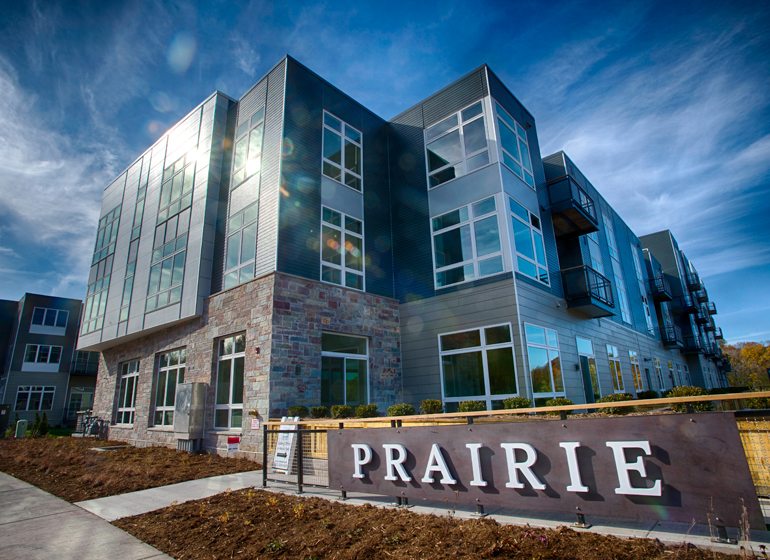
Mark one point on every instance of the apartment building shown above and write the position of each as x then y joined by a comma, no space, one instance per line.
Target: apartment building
40,370
291,247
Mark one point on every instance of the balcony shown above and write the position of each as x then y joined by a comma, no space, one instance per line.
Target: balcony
573,211
660,288
588,292
701,318
692,345
672,336
701,296
85,363
718,333
685,304
693,281
712,308
709,325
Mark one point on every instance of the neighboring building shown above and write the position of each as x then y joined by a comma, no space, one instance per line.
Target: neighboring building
292,247
41,370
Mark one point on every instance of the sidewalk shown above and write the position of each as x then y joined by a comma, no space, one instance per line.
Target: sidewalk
34,525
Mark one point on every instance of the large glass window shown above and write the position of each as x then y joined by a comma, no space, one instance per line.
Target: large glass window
229,404
636,254
514,146
241,246
456,145
587,365
478,365
42,354
168,260
615,370
171,368
344,365
342,249
101,271
176,189
528,241
659,374
466,243
129,375
544,363
617,269
247,154
636,372
35,398
45,317
342,145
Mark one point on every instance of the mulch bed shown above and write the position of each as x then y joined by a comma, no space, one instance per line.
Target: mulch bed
70,469
258,524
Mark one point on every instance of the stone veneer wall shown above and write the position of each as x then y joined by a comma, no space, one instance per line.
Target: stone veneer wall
248,308
302,310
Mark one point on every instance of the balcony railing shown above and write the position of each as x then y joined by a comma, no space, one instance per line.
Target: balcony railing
718,333
85,363
712,308
701,296
588,291
701,318
685,304
693,344
693,281
672,336
661,290
572,210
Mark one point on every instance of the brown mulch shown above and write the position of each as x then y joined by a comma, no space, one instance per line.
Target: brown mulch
258,524
70,469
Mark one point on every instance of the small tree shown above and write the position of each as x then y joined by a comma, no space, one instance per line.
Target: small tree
43,428
517,402
342,411
431,406
401,409
366,410
319,411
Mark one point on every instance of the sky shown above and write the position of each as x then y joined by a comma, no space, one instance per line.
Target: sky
665,106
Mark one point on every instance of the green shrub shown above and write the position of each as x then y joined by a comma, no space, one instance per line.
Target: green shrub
641,395
299,410
319,411
366,411
689,391
758,403
472,406
431,406
517,402
342,411
401,409
34,429
559,401
616,397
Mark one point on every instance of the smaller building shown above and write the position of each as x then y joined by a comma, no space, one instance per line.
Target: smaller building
41,371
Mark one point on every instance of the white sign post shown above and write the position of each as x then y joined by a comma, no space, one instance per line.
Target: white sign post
286,445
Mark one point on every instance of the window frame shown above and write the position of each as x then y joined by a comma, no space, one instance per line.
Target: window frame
591,356
616,372
512,215
255,121
241,267
636,371
462,164
37,354
483,347
230,358
57,313
342,134
348,356
343,267
164,408
520,133
30,389
475,260
122,408
548,348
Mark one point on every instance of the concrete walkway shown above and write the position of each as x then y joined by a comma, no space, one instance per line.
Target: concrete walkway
34,525
142,501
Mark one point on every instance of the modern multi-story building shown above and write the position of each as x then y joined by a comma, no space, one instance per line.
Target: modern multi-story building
293,248
40,370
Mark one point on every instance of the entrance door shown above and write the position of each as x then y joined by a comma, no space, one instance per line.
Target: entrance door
588,370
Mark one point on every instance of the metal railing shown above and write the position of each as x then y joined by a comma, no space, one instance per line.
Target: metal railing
583,282
660,287
672,334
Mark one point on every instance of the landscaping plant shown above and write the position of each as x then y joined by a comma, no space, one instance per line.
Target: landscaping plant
401,409
559,401
342,411
472,406
689,391
319,411
299,410
616,397
366,411
431,406
517,402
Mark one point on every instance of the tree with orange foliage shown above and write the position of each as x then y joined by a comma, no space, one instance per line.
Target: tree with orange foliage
750,362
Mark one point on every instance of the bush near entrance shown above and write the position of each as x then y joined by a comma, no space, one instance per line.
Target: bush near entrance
401,409
472,406
431,406
689,391
616,397
517,402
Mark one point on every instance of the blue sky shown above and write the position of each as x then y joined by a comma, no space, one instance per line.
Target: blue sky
664,105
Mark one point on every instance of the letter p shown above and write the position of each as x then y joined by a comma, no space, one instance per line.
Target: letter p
362,454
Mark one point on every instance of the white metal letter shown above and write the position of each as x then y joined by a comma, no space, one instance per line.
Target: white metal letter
575,483
362,454
476,464
525,467
395,463
623,467
436,463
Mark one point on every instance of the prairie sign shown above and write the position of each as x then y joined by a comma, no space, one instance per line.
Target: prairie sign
675,467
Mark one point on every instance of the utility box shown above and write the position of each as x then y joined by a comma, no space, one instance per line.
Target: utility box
5,415
21,429
189,413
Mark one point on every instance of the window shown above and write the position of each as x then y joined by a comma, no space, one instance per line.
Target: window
544,363
342,249
635,251
615,370
344,377
636,372
45,317
514,145
617,270
168,260
671,373
101,271
466,243
478,365
128,282
659,374
42,354
342,152
456,145
176,190
528,241
241,246
587,361
129,376
247,155
229,404
34,398
595,252
171,367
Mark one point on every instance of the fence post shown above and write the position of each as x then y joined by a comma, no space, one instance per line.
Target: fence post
300,462
264,455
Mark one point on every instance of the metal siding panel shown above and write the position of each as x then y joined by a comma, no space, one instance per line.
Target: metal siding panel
456,96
